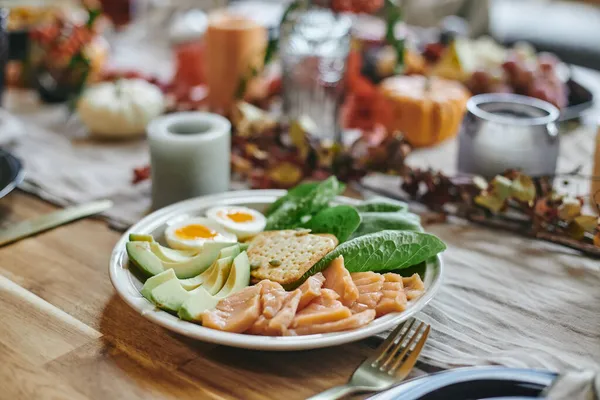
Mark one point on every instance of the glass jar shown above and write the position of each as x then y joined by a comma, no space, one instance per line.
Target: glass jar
314,46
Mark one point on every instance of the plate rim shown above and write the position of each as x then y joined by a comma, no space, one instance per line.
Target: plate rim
240,340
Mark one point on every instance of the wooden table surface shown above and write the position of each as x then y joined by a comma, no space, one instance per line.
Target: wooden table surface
65,334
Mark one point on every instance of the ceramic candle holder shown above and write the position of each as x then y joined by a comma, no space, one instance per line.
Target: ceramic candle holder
190,156
507,131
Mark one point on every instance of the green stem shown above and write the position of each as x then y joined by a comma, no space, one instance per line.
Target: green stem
393,16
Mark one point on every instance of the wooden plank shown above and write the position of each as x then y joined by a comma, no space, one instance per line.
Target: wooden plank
101,370
35,329
24,381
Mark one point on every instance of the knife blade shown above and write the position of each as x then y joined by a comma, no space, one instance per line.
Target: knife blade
30,227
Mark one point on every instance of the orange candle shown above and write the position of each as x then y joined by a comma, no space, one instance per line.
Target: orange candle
235,46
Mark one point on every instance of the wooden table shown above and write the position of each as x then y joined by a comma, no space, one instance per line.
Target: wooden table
65,334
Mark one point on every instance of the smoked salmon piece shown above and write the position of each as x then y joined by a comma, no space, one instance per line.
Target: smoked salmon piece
279,323
326,308
272,297
352,322
370,286
311,289
235,313
338,279
413,286
393,298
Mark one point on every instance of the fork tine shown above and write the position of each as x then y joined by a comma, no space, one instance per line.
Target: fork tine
411,360
384,347
402,346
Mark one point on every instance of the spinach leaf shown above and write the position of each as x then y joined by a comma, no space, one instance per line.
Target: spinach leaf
372,222
382,251
382,204
294,193
291,212
340,221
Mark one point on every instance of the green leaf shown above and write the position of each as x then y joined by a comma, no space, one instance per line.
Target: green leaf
340,221
382,204
292,194
290,213
372,222
382,251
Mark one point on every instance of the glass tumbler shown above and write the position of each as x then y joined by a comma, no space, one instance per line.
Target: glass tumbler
314,47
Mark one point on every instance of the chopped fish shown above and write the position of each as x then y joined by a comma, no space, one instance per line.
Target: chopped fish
311,289
393,297
352,322
279,323
338,278
326,308
413,286
370,286
235,313
272,297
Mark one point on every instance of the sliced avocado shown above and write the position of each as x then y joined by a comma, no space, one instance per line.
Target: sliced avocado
171,255
231,251
197,302
140,255
215,281
169,295
193,283
143,257
244,246
239,276
140,237
156,280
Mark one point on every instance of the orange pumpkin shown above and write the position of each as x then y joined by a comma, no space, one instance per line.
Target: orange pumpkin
426,110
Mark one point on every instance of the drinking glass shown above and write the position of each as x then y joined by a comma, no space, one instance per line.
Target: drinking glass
314,47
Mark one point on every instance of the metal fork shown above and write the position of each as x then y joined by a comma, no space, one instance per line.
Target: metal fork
391,363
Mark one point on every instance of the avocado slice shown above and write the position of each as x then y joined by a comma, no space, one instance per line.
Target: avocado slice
171,255
169,295
192,283
156,280
141,255
244,246
140,237
197,302
231,251
239,276
215,281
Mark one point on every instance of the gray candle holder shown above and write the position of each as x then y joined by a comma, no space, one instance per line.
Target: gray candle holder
508,131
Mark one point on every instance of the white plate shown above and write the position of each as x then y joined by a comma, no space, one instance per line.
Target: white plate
128,286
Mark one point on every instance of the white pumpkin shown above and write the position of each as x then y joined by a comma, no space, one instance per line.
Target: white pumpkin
121,108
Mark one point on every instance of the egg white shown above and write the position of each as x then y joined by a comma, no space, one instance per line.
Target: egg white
179,243
242,230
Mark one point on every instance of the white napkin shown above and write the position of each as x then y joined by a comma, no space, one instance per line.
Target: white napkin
10,129
575,385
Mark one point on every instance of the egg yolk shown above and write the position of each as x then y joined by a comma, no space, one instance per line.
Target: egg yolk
238,216
191,232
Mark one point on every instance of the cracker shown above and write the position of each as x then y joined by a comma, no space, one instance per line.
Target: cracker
284,256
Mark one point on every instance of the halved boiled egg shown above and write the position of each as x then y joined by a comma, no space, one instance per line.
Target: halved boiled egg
194,232
244,222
